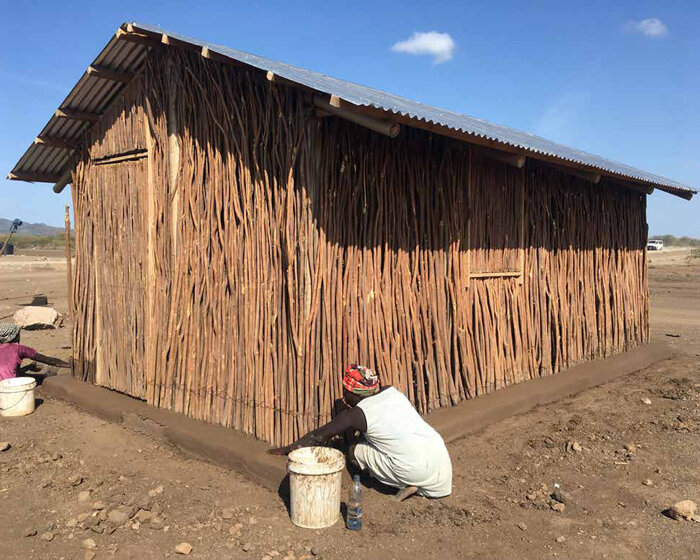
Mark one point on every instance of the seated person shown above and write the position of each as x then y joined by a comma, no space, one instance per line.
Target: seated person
398,447
12,353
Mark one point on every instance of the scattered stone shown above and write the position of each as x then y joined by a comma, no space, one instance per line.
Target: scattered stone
227,514
573,447
75,480
145,503
30,532
89,555
183,548
252,520
684,509
118,517
34,317
144,516
631,448
84,496
247,547
90,522
648,482
82,517
98,506
646,400
159,489
89,544
48,536
522,526
157,523
560,539
56,456
560,496
4,446
558,507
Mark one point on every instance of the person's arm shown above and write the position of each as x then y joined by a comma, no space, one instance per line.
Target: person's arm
353,419
48,360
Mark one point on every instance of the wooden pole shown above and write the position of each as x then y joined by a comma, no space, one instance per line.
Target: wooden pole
4,245
69,269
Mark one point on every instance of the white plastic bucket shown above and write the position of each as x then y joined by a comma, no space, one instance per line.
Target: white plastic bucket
315,477
17,396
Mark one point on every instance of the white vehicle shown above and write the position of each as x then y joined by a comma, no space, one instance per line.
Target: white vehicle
655,245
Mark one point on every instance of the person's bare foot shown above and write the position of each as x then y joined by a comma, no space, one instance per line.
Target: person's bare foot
405,493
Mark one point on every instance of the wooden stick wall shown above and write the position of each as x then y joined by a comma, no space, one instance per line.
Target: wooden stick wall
234,273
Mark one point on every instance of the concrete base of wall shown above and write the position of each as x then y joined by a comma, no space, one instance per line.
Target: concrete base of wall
475,414
211,442
249,457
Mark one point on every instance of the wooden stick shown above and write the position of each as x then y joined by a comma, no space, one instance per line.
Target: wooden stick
69,263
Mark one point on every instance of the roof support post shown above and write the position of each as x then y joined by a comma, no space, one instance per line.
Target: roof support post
140,38
33,177
62,182
589,176
108,74
386,127
77,115
56,142
516,160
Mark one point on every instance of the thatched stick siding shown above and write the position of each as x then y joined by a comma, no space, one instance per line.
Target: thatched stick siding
277,247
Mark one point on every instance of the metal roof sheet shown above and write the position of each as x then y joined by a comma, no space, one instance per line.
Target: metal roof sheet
94,94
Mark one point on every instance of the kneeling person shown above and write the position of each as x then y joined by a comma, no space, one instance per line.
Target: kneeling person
399,448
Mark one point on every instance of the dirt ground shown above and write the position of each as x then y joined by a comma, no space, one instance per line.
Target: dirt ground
66,470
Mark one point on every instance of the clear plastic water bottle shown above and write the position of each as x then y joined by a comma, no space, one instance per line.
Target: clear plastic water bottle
355,505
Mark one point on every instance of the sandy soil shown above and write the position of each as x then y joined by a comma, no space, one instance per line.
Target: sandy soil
66,470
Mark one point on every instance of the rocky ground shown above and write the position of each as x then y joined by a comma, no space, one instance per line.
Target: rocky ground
592,476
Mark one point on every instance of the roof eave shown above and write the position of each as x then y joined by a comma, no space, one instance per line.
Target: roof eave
141,37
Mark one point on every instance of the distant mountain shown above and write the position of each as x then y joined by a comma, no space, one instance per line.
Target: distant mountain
29,229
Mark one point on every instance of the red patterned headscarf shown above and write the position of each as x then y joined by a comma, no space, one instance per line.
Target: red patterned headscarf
360,380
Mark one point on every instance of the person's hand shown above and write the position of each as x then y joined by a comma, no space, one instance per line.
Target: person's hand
279,451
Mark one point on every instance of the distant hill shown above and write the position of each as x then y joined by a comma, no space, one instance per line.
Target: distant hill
29,229
672,240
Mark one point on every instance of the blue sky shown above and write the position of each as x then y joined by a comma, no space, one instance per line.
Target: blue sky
618,80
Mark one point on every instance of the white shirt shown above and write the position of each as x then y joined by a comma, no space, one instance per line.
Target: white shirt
414,451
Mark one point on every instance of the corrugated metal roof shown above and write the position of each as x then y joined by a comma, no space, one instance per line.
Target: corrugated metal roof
94,94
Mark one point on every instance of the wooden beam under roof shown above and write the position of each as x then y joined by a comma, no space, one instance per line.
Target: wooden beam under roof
138,38
590,176
33,177
109,74
211,55
62,182
571,166
56,142
383,126
515,160
77,115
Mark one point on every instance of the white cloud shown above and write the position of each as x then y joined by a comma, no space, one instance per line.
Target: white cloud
439,45
651,27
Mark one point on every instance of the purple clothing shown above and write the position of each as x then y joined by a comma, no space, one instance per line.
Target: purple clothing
11,356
